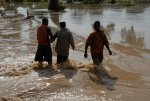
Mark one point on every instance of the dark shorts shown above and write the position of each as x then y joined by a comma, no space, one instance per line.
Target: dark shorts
97,59
44,53
61,58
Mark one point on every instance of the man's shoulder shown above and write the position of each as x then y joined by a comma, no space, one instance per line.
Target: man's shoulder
48,28
102,33
67,31
44,26
92,34
39,27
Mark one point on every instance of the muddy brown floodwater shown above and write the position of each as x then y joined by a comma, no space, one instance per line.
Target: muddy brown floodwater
127,30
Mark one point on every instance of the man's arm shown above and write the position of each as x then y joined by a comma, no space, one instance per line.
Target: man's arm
37,34
85,53
50,34
107,46
72,41
88,43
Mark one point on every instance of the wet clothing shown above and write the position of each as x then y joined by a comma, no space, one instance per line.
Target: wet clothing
64,40
43,35
61,58
97,59
44,52
96,41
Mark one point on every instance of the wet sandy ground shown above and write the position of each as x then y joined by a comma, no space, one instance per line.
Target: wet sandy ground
20,79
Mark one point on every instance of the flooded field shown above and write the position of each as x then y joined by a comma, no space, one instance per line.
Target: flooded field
127,30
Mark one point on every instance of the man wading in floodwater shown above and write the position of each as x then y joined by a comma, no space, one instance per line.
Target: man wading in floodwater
64,41
44,52
97,40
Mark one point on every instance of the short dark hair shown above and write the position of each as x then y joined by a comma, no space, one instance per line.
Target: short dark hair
62,24
96,25
45,21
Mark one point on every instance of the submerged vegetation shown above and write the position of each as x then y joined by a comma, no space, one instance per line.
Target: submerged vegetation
128,2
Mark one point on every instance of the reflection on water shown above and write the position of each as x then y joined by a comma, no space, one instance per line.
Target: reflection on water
55,19
135,9
129,36
80,20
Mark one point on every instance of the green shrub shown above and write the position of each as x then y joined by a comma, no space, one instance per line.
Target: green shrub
110,1
129,2
36,0
61,6
92,1
18,0
40,0
29,0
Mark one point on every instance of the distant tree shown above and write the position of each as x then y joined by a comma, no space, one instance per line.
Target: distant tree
113,1
92,1
53,5
69,1
2,2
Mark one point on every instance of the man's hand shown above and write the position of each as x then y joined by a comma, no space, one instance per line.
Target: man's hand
52,40
85,55
73,48
110,52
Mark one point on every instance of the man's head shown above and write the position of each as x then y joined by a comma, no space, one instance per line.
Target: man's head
96,25
62,24
45,21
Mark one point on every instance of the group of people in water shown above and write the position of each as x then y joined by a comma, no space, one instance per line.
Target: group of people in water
96,40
